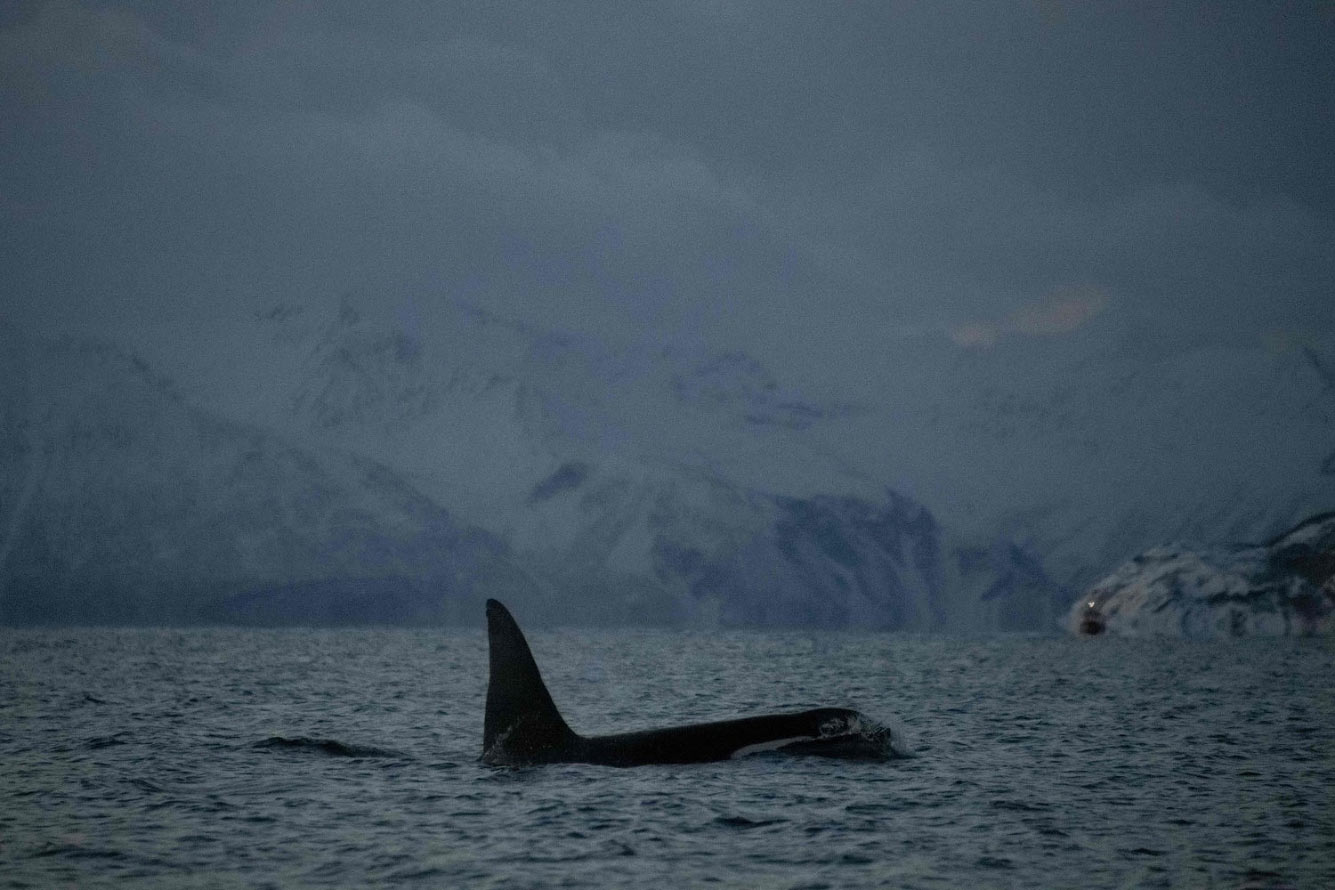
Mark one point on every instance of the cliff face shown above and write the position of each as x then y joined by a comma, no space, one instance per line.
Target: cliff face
1283,588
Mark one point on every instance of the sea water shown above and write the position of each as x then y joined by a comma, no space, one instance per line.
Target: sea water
349,758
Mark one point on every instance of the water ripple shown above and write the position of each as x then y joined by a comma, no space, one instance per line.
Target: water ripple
349,758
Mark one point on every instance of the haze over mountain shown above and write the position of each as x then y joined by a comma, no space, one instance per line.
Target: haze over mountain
778,314
344,465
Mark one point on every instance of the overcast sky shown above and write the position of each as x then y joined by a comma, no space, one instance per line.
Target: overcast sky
802,180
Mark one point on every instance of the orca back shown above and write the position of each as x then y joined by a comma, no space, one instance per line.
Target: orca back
522,724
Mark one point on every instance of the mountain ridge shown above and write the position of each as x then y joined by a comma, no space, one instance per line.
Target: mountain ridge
630,482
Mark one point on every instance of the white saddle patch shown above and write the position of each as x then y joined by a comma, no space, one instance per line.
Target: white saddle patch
771,745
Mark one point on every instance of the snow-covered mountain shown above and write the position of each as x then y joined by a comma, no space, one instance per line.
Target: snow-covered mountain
1048,463
131,504
1085,450
664,483
468,400
123,503
1283,588
681,482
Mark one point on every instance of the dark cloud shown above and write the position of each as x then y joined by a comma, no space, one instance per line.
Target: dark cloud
788,177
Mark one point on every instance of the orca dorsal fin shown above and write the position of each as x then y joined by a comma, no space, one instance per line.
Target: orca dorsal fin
522,723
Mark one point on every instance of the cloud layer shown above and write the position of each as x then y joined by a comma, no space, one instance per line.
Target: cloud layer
792,179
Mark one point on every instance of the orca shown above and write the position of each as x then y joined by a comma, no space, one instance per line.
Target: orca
523,727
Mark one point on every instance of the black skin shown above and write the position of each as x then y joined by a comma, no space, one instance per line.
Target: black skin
523,726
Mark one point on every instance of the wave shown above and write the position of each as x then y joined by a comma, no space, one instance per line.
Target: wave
328,747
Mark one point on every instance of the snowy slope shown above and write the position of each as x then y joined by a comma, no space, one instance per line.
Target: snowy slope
634,485
664,483
459,394
140,506
136,506
1284,588
1086,451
